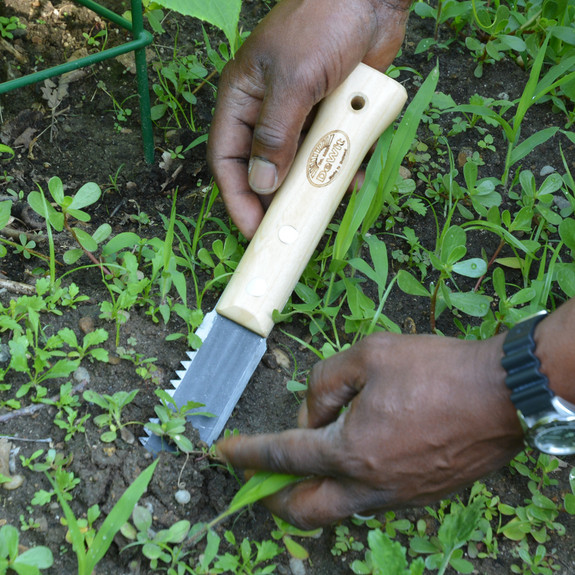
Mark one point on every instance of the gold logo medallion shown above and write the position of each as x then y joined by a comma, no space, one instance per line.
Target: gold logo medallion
327,158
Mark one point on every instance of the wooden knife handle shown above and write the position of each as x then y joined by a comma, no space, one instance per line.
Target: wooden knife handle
347,124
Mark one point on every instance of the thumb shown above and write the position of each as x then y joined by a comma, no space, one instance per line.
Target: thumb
276,138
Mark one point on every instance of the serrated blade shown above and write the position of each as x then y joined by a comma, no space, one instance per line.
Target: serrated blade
216,377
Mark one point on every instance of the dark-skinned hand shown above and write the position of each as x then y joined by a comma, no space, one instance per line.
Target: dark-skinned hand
427,415
300,52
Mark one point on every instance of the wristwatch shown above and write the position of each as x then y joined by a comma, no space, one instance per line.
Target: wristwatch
548,421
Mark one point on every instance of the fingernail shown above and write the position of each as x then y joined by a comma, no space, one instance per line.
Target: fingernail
263,176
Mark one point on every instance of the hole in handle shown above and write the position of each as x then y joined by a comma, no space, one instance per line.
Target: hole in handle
358,102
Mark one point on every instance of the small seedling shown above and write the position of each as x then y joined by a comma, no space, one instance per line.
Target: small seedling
29,562
113,406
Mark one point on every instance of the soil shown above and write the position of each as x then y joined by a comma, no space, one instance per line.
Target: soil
84,144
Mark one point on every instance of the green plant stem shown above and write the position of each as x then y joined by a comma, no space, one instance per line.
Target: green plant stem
433,304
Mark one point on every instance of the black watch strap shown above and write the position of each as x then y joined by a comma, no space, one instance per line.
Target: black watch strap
530,392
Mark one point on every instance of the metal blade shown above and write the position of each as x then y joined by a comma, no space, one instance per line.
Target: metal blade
217,375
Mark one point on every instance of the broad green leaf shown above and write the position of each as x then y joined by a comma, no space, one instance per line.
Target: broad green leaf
5,213
461,565
566,279
39,557
72,256
124,240
523,296
56,189
471,268
86,240
87,195
569,501
295,549
471,303
102,233
453,245
422,545
510,262
8,541
221,13
4,149
142,518
513,42
178,531
38,203
408,284
567,233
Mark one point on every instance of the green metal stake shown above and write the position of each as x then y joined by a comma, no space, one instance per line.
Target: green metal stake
141,39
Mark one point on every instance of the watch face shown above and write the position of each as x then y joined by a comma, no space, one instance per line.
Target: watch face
556,437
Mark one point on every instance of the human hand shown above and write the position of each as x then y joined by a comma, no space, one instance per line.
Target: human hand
298,54
427,415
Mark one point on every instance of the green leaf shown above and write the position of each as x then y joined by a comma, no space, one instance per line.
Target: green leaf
87,195
178,531
8,542
142,518
72,256
261,485
108,436
118,516
453,245
295,549
4,149
567,233
471,303
86,240
569,501
102,233
95,337
5,213
39,557
461,565
408,284
221,13
422,545
124,240
56,189
38,203
471,268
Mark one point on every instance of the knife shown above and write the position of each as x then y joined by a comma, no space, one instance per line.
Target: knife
233,335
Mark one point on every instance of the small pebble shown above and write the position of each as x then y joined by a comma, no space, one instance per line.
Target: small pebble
86,324
14,483
183,496
561,202
281,358
127,435
546,170
4,354
82,374
404,173
297,566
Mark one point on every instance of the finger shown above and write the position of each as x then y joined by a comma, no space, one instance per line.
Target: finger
297,451
332,384
320,501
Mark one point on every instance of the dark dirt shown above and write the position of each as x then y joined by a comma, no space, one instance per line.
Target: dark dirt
86,146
